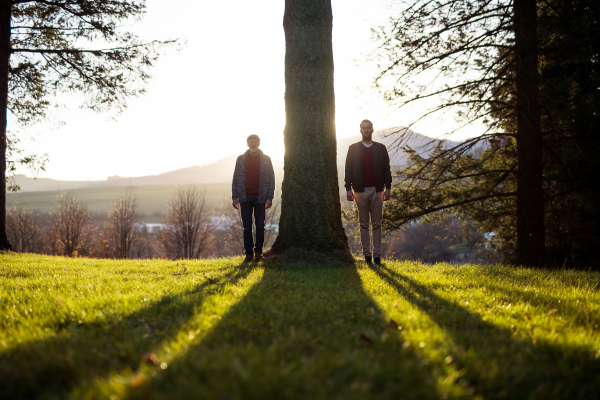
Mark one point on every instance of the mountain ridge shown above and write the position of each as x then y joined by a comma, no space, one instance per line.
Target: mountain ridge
222,170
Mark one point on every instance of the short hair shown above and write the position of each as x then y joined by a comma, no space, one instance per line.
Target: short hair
253,136
366,120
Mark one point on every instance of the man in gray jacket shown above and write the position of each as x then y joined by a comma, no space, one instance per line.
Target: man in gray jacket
368,172
252,189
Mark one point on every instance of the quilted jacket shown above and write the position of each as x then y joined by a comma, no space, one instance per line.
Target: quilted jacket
266,186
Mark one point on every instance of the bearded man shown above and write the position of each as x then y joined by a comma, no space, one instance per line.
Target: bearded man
368,172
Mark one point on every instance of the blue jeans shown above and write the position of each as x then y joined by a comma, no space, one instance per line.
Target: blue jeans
251,205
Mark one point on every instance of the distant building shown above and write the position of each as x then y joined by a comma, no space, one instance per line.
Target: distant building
152,228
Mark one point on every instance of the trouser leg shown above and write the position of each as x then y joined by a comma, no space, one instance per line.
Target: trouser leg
246,210
362,202
376,216
259,222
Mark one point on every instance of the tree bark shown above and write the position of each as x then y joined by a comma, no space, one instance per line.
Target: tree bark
5,50
530,195
310,208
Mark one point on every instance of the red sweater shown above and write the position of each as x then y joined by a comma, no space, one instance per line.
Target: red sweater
368,170
252,174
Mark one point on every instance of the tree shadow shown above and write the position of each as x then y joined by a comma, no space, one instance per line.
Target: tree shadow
496,362
50,367
565,278
301,332
570,311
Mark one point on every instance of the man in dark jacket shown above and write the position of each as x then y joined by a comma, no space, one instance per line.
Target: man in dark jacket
252,189
368,172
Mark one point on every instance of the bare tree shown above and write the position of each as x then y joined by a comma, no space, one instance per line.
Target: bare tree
146,244
185,233
71,230
234,235
24,230
120,230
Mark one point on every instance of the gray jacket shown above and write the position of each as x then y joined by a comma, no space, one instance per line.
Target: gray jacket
266,186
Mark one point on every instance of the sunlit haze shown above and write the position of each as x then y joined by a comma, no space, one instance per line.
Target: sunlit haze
226,83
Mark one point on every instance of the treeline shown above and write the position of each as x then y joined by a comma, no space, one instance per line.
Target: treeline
188,230
191,230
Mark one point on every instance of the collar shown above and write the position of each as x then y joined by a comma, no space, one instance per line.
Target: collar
260,153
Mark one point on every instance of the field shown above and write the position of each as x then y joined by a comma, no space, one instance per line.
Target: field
153,198
214,329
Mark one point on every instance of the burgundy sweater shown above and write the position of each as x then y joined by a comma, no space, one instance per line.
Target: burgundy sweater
368,171
252,174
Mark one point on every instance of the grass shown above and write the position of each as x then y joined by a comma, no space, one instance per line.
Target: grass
91,329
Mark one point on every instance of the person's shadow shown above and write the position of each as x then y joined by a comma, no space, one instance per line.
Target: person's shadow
494,361
299,333
80,353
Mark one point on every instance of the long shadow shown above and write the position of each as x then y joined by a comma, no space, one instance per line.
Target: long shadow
571,313
511,285
49,368
297,334
496,362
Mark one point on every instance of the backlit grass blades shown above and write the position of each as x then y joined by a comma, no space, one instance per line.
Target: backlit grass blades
86,328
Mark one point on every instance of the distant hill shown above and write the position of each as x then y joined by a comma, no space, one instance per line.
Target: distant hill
153,198
222,170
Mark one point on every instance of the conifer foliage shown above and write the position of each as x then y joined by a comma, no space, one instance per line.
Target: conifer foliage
527,70
68,46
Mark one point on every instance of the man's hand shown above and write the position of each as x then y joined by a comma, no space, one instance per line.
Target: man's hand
236,203
387,195
268,204
350,195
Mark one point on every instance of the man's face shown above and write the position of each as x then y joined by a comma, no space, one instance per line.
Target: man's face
253,144
366,130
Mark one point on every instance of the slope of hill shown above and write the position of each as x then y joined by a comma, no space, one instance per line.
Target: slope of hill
153,198
222,170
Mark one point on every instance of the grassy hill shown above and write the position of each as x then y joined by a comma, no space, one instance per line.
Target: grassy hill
150,329
153,198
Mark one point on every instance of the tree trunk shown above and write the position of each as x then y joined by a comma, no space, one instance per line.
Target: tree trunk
5,49
310,208
530,195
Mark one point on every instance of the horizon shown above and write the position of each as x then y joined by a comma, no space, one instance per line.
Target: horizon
201,104
119,177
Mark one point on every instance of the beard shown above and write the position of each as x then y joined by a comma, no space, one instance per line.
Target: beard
367,137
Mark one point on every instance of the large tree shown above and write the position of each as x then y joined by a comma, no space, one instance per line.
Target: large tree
49,47
530,178
310,208
530,192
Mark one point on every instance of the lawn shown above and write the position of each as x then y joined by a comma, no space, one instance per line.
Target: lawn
215,329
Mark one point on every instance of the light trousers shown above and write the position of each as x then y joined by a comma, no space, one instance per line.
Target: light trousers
370,209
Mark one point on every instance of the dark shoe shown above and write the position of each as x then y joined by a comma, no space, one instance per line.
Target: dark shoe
377,260
368,259
248,258
258,257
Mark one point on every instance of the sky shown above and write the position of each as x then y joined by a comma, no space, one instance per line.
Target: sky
225,83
